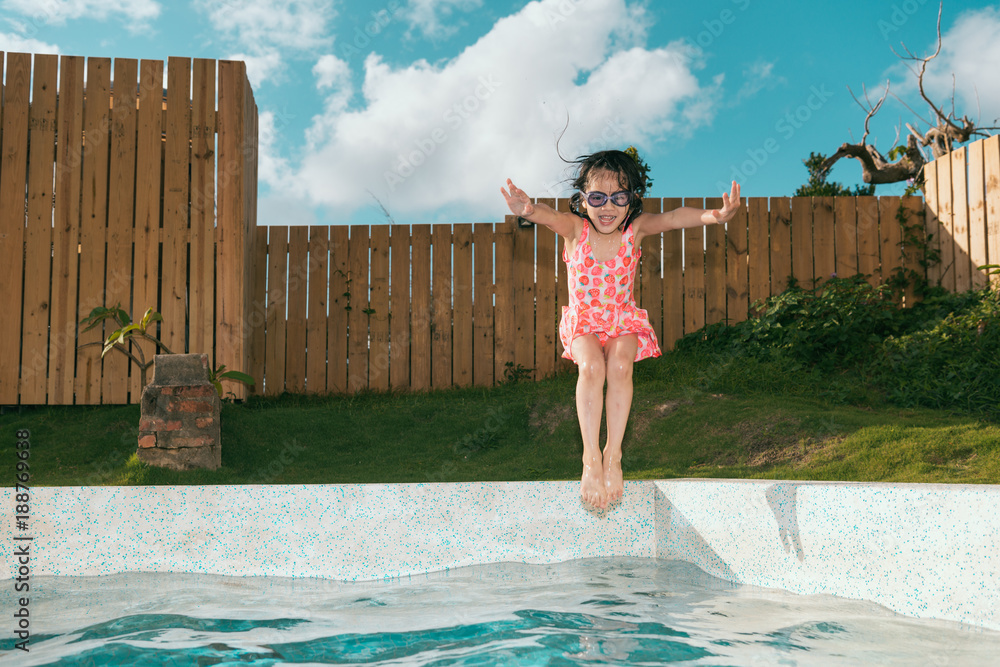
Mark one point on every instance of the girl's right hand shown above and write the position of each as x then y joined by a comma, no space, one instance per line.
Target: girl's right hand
518,201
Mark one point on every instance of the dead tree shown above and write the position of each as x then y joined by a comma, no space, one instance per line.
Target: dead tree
941,138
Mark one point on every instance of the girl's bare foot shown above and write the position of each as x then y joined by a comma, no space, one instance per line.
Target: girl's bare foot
592,491
613,483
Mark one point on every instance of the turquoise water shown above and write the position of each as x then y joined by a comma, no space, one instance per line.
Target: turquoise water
621,611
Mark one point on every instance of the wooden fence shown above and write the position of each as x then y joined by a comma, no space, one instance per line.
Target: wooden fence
396,307
342,309
149,200
113,190
963,204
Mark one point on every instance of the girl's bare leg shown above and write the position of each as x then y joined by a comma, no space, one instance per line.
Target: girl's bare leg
620,355
589,356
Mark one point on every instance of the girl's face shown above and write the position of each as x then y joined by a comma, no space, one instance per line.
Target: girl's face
608,216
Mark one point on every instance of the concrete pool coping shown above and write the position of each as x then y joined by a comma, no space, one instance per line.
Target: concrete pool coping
924,550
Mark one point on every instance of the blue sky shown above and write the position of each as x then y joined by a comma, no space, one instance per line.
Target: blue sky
425,107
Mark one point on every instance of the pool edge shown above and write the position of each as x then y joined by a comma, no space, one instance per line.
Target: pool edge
921,550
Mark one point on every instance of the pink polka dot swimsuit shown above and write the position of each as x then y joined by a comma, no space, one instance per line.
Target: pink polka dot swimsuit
601,297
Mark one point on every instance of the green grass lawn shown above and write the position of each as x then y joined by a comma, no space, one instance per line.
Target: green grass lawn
691,417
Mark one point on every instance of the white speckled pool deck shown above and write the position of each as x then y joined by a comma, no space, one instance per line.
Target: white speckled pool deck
929,551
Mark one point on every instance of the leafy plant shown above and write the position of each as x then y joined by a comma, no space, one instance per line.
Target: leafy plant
219,374
123,340
513,374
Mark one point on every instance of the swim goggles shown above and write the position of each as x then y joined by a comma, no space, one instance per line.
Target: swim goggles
620,198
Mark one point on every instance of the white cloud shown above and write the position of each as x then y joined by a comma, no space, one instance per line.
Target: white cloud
444,137
757,76
426,15
12,43
966,67
134,13
332,74
288,24
265,29
262,66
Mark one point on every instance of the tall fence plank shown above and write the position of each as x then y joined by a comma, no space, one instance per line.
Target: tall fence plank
978,245
319,282
946,222
824,237
524,294
912,246
337,324
258,319
758,259
504,335
846,241
66,234
781,243
546,321
146,232
236,188
651,273
399,308
868,239
991,167
482,305
121,213
462,291
378,316
562,288
802,241
298,300
13,176
960,211
737,276
715,269
277,304
694,273
93,226
420,311
441,352
202,196
890,235
673,281
38,233
357,317
932,225
176,192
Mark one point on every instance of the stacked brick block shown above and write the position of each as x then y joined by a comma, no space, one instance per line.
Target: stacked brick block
179,422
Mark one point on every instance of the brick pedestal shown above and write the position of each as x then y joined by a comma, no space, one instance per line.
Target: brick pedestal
179,422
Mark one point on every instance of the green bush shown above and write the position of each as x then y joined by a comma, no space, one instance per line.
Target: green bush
852,339
953,361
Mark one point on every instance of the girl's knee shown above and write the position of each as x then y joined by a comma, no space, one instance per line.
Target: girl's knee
619,368
592,368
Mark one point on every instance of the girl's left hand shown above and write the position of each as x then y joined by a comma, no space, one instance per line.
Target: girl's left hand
730,204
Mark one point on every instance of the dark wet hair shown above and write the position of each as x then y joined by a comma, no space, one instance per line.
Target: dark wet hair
617,163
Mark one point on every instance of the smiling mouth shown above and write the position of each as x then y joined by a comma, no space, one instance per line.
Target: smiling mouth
607,218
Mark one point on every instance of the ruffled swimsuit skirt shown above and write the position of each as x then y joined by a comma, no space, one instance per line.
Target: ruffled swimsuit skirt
601,297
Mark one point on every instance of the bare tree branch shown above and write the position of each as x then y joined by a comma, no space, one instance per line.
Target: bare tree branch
944,133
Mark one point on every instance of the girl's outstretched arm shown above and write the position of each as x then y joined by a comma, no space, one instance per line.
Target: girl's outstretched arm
563,224
680,218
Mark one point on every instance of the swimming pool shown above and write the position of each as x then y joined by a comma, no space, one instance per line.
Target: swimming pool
926,551
606,611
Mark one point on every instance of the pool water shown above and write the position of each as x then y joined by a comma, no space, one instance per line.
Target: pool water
606,611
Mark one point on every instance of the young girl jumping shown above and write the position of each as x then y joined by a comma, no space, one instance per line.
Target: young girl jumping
602,330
